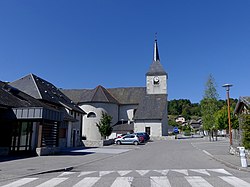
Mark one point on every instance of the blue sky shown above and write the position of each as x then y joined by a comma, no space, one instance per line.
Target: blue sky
85,43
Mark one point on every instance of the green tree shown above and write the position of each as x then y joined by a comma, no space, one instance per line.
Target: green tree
221,116
104,126
245,124
209,105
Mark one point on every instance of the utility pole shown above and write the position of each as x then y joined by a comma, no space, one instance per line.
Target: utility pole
227,86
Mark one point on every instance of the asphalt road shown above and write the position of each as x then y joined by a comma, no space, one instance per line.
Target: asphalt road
158,163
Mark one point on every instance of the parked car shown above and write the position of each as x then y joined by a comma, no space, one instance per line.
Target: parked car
144,135
128,139
119,136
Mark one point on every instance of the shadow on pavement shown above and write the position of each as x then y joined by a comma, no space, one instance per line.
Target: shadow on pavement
16,157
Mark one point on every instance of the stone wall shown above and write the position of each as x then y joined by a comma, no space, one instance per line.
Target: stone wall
97,143
42,151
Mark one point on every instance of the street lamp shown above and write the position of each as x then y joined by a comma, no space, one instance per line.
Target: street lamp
227,86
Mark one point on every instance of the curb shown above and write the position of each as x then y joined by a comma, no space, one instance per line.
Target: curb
226,163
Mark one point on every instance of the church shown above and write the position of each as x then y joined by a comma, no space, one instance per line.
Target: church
133,109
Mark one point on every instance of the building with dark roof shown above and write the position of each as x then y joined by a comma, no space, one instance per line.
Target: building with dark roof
133,109
70,127
21,117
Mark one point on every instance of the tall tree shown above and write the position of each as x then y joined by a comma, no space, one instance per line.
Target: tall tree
209,105
104,126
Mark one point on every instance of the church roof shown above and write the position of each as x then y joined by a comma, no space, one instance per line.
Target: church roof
100,94
129,95
152,106
44,90
156,67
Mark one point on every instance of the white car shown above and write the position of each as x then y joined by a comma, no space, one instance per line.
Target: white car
128,139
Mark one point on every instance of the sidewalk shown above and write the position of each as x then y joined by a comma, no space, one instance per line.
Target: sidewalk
219,150
12,167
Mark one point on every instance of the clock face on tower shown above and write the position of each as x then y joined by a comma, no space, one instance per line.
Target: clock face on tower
156,80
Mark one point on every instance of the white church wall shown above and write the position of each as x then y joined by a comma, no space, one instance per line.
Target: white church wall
155,127
89,128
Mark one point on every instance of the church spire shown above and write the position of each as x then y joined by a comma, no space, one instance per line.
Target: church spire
156,52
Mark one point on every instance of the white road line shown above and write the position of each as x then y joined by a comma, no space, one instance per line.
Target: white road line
85,173
52,182
102,173
182,171
122,182
197,181
234,181
87,182
159,181
20,182
66,173
207,153
163,172
142,172
220,171
124,172
202,171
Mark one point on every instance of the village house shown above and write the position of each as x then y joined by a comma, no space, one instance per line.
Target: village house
67,131
25,123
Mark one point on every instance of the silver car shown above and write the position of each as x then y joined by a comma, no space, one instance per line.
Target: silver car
128,139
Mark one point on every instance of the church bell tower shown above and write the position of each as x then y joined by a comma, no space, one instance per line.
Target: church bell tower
156,77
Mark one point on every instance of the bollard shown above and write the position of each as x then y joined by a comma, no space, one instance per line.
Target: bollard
243,157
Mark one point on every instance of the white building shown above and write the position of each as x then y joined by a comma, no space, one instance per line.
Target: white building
133,109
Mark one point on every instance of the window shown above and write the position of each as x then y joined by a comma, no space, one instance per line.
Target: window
91,115
147,129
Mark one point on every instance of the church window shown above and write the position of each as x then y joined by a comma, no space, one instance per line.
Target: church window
91,115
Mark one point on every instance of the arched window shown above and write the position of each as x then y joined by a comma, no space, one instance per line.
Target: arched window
91,115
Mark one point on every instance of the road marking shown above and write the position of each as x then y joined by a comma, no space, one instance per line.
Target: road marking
20,182
182,171
123,182
197,181
202,171
142,172
85,173
163,172
102,173
125,172
87,182
207,153
52,182
234,181
66,173
101,150
159,181
220,171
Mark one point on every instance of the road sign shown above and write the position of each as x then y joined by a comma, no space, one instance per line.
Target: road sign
175,130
